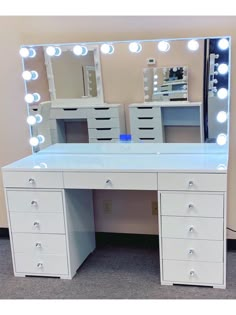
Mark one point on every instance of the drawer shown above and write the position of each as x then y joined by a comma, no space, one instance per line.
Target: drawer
192,204
194,250
151,132
193,272
39,244
41,264
136,181
104,133
108,122
136,122
192,228
101,140
144,111
34,201
37,222
192,181
33,179
102,112
71,113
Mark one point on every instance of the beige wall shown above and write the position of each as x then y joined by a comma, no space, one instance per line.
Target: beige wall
14,134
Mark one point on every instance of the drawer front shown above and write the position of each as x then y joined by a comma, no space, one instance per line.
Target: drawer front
193,272
152,132
37,222
34,201
33,179
144,111
103,123
192,181
39,244
104,133
145,122
102,112
101,140
192,204
131,181
192,250
192,228
41,264
72,113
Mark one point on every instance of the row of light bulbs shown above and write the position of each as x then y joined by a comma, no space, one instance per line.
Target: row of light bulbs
134,47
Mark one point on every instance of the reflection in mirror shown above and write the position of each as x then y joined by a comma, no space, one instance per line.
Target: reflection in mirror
182,84
165,84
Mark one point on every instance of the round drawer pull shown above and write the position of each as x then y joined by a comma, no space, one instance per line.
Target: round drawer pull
190,183
34,203
191,229
40,265
191,251
190,206
36,224
192,273
38,245
108,181
31,181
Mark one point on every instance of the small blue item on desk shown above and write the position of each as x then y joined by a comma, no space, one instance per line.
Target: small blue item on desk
125,138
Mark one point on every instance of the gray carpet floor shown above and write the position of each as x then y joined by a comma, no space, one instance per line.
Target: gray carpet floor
110,272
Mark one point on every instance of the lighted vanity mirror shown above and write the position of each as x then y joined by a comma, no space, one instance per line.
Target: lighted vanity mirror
166,84
107,93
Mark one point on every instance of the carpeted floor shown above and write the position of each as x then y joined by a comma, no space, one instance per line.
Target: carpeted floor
111,272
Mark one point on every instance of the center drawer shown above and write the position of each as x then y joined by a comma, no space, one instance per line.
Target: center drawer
138,181
34,201
37,222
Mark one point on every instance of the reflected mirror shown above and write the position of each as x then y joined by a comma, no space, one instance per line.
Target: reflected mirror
173,91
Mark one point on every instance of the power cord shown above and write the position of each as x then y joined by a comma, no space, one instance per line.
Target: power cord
230,229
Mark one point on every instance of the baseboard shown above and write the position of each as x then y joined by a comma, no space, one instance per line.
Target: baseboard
4,233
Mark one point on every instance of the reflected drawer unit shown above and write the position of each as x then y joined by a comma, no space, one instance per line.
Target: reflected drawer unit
192,220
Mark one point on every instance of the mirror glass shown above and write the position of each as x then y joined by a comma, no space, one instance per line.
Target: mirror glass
188,80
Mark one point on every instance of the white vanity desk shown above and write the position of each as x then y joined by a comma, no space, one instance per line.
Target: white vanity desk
50,206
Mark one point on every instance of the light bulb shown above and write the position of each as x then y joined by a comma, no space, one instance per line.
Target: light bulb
222,93
27,52
30,75
135,47
107,49
39,118
155,76
221,117
41,138
221,139
30,98
155,83
53,51
163,46
155,89
80,50
223,44
31,120
34,141
222,68
193,45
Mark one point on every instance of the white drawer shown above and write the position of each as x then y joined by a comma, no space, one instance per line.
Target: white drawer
192,204
193,272
136,122
151,132
130,181
144,111
192,181
34,201
103,122
102,111
192,228
33,179
101,140
195,250
37,222
71,113
39,244
104,133
41,264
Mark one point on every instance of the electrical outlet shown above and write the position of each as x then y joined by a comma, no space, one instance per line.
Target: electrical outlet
154,207
107,206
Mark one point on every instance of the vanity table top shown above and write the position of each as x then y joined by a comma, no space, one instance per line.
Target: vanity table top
82,158
166,104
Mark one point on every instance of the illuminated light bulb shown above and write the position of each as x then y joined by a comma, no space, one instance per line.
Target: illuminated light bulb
31,120
34,141
107,49
155,89
155,82
222,68
221,139
155,76
193,45
27,52
223,44
80,50
31,98
135,47
53,51
221,117
30,75
163,46
222,93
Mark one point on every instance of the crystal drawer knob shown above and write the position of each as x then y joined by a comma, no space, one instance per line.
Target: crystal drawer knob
108,181
36,224
38,245
190,206
191,251
31,181
190,183
191,229
40,265
34,203
192,273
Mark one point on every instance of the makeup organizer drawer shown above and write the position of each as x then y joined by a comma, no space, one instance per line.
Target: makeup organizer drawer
192,220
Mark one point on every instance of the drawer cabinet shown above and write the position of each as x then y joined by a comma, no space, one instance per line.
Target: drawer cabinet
192,228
